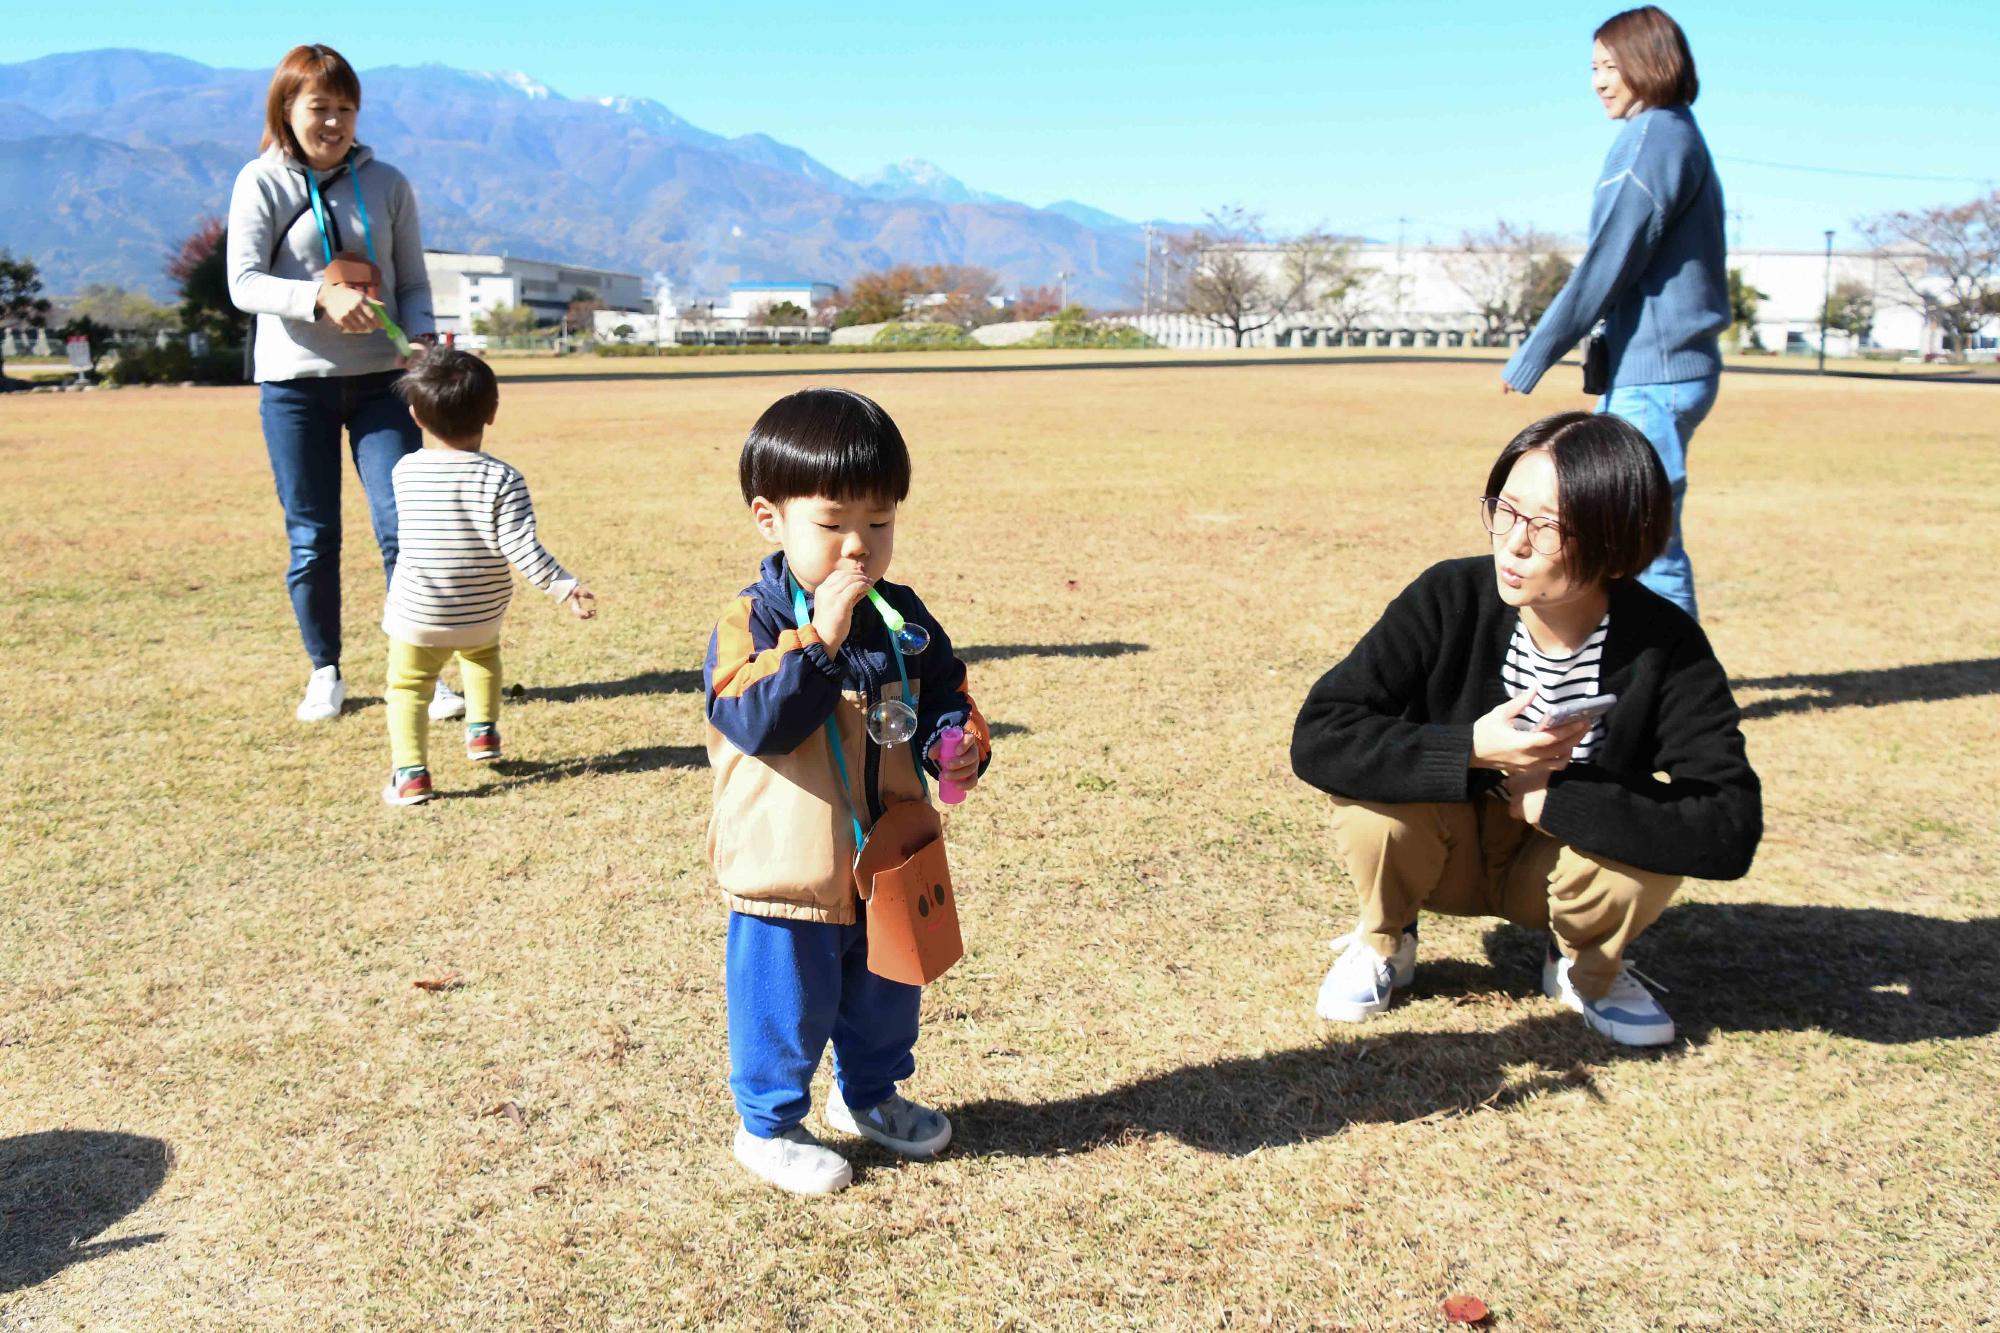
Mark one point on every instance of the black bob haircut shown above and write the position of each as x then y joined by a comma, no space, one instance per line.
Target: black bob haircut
829,442
452,394
1615,506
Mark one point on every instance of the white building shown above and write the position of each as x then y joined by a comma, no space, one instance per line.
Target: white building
463,285
1417,296
746,299
739,317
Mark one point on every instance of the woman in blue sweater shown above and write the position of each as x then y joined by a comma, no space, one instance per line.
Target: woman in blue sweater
1654,268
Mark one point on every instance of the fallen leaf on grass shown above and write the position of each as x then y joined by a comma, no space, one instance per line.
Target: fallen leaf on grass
1466,1310
510,1109
446,982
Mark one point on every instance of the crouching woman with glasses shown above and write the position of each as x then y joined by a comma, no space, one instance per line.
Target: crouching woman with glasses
1474,767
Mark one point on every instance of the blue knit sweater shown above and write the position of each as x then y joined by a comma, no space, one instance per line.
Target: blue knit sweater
1654,269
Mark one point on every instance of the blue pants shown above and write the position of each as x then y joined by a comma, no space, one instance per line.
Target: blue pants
302,424
792,985
1668,415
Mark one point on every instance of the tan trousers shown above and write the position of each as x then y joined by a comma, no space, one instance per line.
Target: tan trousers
1473,858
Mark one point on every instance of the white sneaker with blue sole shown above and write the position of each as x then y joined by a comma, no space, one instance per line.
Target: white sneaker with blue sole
446,703
794,1161
1628,1014
897,1123
1361,982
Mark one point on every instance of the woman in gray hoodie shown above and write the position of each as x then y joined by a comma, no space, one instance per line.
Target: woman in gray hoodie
318,230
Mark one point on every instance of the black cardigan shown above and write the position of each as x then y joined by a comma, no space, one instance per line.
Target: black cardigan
1392,723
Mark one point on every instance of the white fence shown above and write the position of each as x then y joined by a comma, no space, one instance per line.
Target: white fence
1308,330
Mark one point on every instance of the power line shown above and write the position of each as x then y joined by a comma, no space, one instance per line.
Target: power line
1844,171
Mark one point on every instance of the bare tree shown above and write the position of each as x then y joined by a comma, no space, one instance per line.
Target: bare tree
1505,273
1228,274
1321,268
1948,262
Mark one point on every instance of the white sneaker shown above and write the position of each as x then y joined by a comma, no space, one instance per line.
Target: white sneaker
1361,982
897,1123
1629,1014
795,1161
447,703
325,693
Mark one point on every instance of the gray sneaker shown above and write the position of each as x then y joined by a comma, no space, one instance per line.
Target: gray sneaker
898,1124
795,1161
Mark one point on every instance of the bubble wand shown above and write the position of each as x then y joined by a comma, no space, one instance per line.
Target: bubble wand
396,335
912,639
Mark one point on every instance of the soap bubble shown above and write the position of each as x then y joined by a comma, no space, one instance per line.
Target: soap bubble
912,638
891,722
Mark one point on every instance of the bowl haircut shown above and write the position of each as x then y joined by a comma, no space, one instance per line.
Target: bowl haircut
825,442
1614,504
1652,54
452,394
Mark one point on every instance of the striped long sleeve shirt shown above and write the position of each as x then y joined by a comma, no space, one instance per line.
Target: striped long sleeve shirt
463,518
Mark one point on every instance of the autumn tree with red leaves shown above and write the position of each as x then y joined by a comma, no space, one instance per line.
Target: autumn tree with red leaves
199,268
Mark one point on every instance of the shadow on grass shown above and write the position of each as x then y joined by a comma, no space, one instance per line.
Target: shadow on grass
689,682
1871,689
646,682
994,652
1239,1105
1860,972
1871,975
639,759
60,1187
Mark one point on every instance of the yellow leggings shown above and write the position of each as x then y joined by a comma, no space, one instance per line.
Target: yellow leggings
413,673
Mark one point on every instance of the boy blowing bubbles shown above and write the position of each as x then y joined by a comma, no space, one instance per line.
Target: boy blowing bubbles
823,472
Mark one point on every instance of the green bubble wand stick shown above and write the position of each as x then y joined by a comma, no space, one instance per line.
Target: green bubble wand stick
396,335
912,639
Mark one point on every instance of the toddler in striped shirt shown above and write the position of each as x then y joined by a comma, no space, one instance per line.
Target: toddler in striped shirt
465,523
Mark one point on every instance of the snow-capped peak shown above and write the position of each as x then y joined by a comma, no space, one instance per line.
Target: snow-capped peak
529,88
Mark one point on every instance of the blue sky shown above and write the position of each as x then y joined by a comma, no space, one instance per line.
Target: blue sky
1350,115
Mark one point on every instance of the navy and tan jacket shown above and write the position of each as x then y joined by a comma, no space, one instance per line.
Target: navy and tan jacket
779,838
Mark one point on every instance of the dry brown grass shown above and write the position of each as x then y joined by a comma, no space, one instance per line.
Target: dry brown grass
213,925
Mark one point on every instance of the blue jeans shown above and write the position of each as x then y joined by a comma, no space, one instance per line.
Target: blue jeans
1668,415
791,986
302,424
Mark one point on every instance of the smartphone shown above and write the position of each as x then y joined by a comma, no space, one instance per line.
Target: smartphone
1572,710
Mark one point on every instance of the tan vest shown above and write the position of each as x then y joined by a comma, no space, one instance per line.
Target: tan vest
779,838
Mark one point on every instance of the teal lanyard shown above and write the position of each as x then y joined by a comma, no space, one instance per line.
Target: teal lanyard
803,616
319,210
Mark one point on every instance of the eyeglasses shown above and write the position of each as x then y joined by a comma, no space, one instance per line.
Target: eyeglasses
1544,534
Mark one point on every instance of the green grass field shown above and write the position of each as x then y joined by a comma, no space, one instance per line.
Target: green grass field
225,1103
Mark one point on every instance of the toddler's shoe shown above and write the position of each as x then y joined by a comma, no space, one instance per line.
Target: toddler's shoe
482,742
446,703
897,1123
1628,1014
795,1161
1361,982
408,786
325,693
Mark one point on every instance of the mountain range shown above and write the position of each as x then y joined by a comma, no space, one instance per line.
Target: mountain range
109,158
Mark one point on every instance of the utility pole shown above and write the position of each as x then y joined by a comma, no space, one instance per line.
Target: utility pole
1825,299
1400,281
